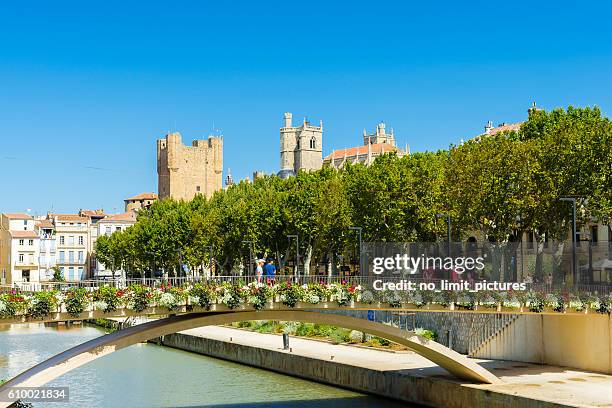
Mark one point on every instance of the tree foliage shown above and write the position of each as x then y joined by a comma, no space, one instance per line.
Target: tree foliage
498,186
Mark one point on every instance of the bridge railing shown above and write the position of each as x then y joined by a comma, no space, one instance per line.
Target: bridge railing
366,281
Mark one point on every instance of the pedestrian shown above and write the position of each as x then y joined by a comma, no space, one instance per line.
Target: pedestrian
270,271
259,270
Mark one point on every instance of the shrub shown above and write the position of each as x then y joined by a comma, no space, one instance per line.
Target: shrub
76,300
305,330
290,294
41,304
205,294
339,335
140,297
108,298
428,334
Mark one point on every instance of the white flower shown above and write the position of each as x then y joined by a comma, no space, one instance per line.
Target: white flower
312,298
416,297
99,305
2,306
367,297
194,300
356,336
304,286
167,300
253,300
60,297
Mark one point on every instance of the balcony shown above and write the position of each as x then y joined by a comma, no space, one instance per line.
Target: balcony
78,261
70,228
26,263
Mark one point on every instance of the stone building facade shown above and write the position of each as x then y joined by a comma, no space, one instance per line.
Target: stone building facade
184,171
301,147
139,201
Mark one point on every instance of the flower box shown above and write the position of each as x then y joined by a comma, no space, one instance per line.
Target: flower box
435,306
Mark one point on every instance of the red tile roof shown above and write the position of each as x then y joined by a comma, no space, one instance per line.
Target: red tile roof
69,217
44,224
24,234
376,148
143,196
129,216
505,127
18,216
92,213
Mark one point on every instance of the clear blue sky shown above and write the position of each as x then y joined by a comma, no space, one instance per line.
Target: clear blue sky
87,87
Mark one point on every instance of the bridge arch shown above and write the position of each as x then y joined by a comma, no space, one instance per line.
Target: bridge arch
453,362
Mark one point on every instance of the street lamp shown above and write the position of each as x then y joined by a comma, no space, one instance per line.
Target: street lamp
574,266
448,230
297,254
359,229
250,256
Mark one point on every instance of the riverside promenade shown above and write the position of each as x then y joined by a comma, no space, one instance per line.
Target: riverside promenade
401,375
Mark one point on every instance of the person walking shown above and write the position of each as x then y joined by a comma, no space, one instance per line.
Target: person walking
259,271
270,271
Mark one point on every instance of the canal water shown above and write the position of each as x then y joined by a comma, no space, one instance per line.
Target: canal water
146,375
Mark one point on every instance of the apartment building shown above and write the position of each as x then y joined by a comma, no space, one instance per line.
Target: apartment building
48,247
72,241
19,249
107,226
94,217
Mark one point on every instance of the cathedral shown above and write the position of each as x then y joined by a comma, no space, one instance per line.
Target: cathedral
374,145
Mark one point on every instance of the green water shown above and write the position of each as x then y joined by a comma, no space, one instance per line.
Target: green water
147,375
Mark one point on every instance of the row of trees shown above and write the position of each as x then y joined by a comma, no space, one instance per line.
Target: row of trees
495,186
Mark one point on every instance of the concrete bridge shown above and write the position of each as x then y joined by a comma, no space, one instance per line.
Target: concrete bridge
455,363
188,316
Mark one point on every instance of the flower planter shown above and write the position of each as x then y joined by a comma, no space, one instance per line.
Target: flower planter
435,306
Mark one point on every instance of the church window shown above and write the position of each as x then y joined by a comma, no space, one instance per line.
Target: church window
313,143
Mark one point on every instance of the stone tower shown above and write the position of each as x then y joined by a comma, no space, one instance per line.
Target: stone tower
184,171
301,147
379,136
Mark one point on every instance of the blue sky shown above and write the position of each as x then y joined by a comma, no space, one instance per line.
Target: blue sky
87,87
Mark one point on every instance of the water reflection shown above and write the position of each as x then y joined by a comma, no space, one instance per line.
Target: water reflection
147,375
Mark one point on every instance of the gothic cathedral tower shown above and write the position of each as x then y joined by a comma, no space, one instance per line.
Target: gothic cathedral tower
301,147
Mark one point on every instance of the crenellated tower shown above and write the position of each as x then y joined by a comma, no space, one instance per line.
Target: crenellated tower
185,171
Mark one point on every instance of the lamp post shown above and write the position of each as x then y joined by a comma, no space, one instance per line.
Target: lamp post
359,229
448,230
574,266
250,256
297,254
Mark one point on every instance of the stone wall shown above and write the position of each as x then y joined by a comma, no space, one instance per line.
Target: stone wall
582,342
437,391
454,330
